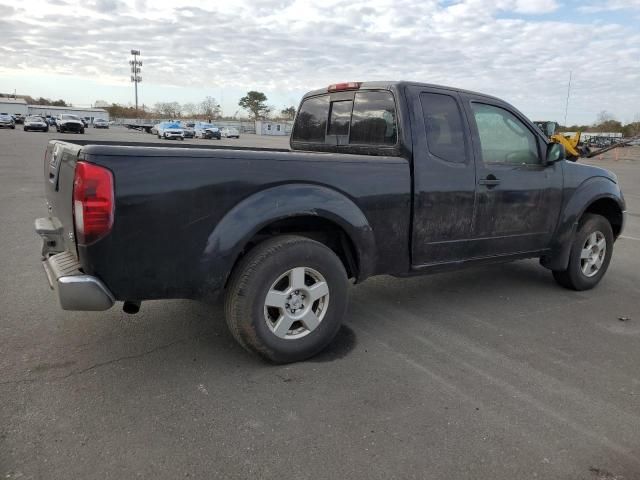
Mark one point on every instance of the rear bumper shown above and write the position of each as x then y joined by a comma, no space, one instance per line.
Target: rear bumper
75,289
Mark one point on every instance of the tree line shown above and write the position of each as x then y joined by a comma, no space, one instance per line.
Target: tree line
605,122
254,103
38,101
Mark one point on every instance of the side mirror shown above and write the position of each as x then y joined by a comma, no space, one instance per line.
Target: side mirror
555,153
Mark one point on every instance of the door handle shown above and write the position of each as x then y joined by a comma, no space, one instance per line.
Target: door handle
490,181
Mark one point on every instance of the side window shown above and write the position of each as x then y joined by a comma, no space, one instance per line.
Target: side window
311,122
339,118
373,121
503,137
444,128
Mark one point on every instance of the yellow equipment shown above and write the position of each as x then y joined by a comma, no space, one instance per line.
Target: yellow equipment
571,143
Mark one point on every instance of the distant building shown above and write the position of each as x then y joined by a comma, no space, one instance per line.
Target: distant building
18,106
13,106
267,127
588,135
89,114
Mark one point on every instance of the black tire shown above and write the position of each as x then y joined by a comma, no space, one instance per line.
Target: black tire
573,277
25,129
82,131
46,130
255,275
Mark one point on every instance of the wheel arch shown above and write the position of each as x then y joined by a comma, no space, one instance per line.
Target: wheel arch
609,209
314,211
597,195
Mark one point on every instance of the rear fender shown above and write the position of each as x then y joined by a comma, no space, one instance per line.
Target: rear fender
232,234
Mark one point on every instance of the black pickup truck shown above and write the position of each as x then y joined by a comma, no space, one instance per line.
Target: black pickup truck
394,178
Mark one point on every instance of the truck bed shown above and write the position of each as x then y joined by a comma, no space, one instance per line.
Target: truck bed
180,209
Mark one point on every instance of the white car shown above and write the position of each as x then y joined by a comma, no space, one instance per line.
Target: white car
206,130
230,132
170,130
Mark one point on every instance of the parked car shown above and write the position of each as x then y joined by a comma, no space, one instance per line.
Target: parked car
50,120
170,130
35,122
69,123
7,121
207,130
100,123
230,132
189,132
391,178
18,118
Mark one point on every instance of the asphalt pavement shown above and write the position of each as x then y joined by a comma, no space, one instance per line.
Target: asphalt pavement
488,373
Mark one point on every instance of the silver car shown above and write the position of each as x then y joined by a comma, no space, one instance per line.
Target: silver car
7,121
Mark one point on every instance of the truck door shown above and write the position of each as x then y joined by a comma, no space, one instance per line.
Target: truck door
444,177
518,197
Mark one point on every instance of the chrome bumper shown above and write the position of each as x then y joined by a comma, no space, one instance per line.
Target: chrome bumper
75,289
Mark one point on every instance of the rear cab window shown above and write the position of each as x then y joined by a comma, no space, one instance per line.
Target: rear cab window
362,118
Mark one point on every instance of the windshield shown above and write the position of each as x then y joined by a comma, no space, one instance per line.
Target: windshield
35,119
69,117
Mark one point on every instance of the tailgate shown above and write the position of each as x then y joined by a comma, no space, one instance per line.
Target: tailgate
59,170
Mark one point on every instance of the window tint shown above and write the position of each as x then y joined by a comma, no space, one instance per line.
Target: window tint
443,124
374,119
504,138
311,122
340,116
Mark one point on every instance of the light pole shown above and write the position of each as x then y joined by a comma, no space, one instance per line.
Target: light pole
135,73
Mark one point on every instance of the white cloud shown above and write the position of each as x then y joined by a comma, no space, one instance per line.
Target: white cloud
610,5
296,45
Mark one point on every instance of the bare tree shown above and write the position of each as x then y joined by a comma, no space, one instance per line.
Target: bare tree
603,117
189,109
210,108
168,109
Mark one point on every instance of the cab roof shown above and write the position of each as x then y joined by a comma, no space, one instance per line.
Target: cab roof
400,84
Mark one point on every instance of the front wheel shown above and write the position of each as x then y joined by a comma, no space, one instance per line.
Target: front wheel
286,298
590,254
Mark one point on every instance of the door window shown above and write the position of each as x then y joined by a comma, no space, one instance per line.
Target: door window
443,125
503,137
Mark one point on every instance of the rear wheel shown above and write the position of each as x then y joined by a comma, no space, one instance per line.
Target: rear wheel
286,298
590,254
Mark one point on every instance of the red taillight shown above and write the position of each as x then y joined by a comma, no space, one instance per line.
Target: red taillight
337,87
93,202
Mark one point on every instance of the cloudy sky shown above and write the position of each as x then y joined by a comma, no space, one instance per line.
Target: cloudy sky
520,50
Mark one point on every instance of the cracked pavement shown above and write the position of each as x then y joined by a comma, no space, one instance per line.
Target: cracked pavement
492,372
